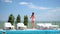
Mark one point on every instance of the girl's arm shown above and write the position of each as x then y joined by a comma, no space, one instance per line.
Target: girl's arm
30,17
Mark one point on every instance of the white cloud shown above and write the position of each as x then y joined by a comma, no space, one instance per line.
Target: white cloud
55,10
8,1
31,5
43,8
51,14
23,3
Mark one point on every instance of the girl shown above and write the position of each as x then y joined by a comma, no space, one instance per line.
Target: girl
33,19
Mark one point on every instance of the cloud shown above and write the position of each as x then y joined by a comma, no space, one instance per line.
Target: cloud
49,13
8,1
23,3
43,8
31,5
55,10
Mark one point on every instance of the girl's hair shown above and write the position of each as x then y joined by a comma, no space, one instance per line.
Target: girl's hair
32,13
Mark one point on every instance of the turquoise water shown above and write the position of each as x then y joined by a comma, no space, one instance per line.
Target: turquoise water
30,31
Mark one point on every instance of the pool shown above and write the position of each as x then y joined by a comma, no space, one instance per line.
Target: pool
30,31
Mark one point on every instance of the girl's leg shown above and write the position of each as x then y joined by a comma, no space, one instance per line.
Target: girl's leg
32,24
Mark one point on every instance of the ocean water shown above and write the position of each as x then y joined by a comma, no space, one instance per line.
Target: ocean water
30,32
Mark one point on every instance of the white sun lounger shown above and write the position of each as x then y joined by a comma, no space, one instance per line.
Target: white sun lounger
21,26
8,25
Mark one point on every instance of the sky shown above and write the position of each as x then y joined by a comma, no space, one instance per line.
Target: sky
44,10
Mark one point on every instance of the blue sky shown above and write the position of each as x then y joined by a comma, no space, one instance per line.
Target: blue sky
45,10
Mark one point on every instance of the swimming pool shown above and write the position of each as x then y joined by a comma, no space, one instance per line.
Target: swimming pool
30,31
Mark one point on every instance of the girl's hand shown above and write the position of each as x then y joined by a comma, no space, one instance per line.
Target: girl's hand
30,17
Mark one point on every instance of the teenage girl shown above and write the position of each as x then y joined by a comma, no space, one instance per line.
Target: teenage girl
33,19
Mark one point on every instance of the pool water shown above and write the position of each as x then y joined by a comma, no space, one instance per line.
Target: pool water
30,31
